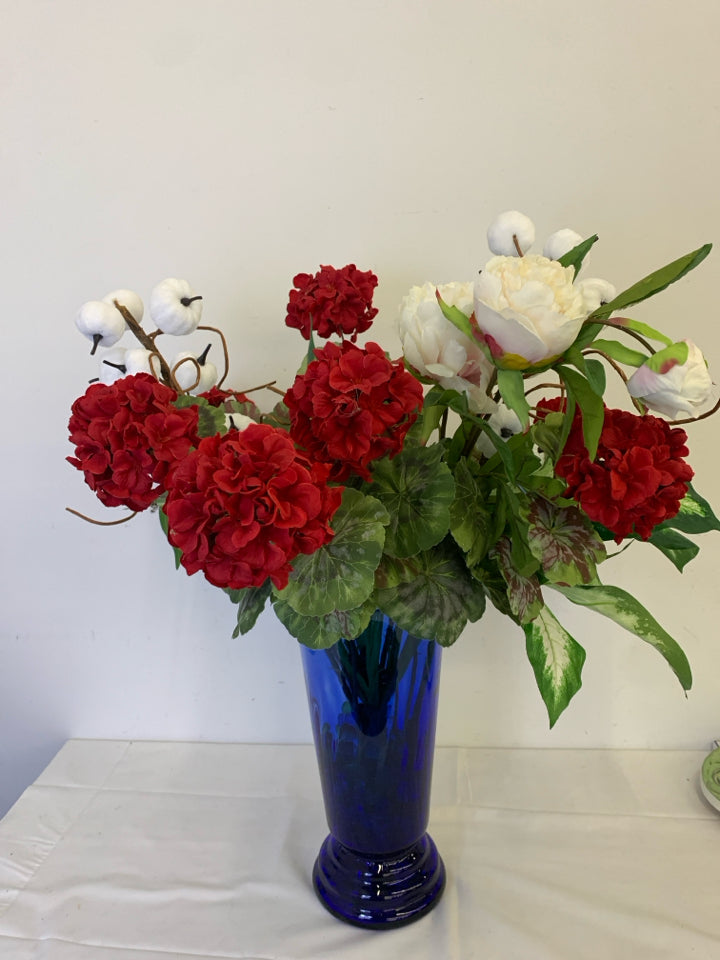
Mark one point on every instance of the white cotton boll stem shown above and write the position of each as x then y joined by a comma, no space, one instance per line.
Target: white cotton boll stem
560,243
128,299
504,228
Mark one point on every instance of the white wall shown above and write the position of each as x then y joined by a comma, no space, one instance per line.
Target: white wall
237,143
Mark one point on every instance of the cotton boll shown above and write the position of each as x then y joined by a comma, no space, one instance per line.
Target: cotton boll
595,292
112,365
560,243
504,226
128,299
101,323
175,308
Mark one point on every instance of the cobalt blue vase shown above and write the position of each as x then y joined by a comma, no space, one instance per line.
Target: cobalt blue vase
373,707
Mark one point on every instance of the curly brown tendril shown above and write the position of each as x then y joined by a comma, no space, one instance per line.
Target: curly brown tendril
621,373
226,355
265,386
198,373
101,523
702,416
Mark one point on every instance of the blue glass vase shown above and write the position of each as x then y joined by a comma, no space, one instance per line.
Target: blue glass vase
373,706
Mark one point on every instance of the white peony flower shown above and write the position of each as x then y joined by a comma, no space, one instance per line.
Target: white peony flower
437,349
528,310
673,381
506,225
595,292
560,243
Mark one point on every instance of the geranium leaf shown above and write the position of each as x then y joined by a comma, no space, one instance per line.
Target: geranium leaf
574,258
524,594
512,389
564,541
695,515
436,597
470,518
591,407
322,632
653,283
557,661
341,574
624,609
211,420
677,548
416,488
250,603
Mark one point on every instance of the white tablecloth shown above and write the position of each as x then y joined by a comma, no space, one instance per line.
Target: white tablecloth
190,851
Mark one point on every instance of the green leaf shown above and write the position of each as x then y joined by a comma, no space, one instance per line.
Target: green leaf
636,326
165,524
574,258
341,574
470,516
322,632
564,541
654,282
512,389
250,603
434,596
618,351
695,515
677,548
624,609
416,488
591,407
278,417
557,661
211,420
458,403
524,594
595,373
456,317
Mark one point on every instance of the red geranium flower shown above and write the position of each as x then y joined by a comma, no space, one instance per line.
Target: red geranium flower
243,505
128,436
638,476
351,407
216,397
332,301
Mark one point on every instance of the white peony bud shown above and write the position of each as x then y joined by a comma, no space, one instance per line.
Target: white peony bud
504,227
560,243
175,308
673,381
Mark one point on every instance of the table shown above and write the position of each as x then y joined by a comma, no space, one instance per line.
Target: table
127,850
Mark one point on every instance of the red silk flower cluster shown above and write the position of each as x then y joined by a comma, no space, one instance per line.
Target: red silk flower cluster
332,302
351,407
638,477
128,436
244,504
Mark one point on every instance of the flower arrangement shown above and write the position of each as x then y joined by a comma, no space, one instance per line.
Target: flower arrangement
481,465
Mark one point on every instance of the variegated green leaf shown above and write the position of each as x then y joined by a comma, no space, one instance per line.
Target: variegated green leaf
322,632
564,541
524,594
695,515
433,595
250,603
557,660
416,488
624,609
341,574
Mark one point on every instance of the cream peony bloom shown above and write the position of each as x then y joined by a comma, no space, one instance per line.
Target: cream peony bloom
674,381
528,310
437,349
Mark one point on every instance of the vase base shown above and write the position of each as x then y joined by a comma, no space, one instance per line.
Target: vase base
382,891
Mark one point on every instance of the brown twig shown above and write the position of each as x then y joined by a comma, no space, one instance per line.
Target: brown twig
226,355
611,322
198,373
517,245
149,343
101,523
